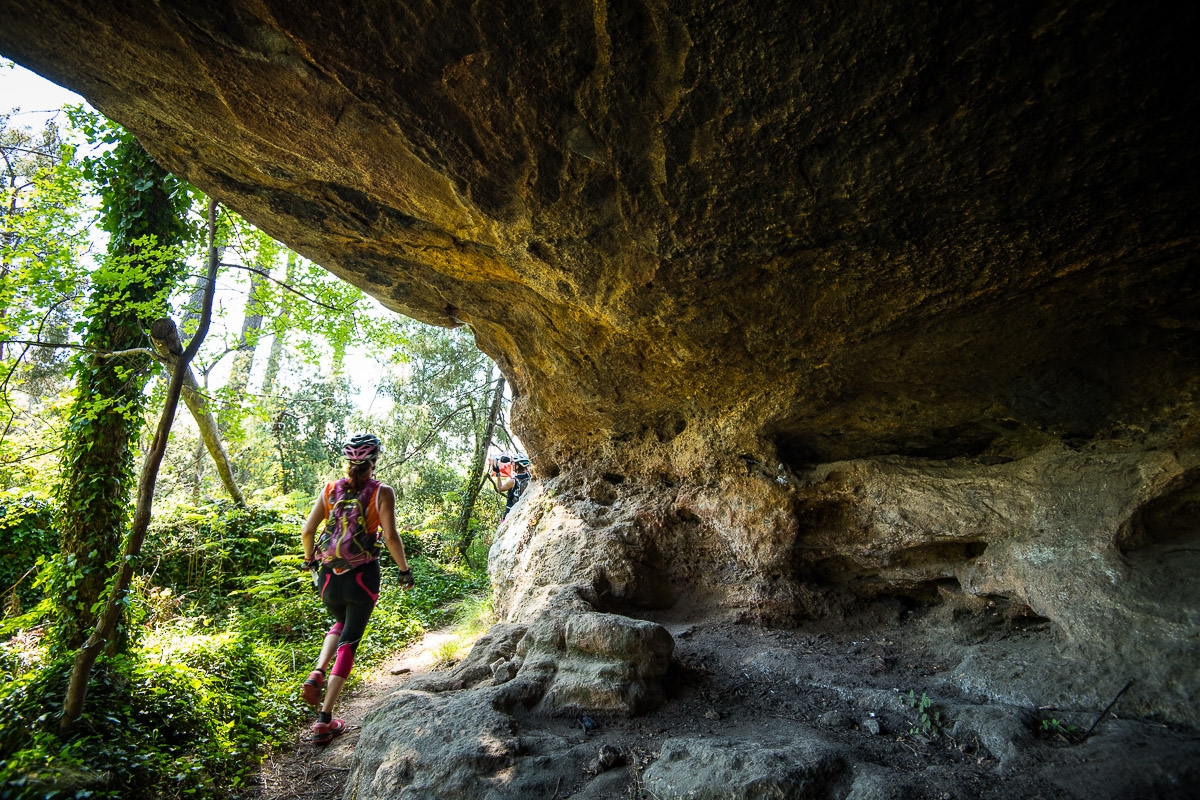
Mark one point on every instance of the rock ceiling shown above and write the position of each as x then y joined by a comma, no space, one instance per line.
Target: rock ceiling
833,231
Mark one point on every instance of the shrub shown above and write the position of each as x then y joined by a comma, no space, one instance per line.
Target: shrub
189,714
206,550
27,529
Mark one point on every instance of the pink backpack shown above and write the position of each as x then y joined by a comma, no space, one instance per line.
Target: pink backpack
347,542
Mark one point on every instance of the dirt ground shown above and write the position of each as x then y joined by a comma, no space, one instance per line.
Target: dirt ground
846,682
308,772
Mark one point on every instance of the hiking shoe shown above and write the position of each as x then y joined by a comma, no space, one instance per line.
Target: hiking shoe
324,732
310,692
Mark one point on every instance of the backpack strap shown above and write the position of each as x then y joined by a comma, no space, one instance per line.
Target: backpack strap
334,491
370,503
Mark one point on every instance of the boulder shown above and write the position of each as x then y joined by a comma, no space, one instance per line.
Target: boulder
612,665
728,769
456,746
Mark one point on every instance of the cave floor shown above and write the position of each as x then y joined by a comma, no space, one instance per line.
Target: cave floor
846,684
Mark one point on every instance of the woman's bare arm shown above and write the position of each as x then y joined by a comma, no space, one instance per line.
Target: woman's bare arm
309,534
386,505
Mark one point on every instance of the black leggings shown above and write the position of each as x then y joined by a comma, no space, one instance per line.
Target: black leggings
351,598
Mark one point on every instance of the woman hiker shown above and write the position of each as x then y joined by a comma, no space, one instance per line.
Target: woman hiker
345,566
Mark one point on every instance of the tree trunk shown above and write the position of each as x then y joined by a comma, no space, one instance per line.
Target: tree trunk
192,308
169,348
243,360
106,413
475,478
107,622
281,324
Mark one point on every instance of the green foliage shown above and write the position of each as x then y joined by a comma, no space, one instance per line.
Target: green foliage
214,681
441,398
308,428
929,720
437,585
473,615
1055,727
181,718
431,499
137,197
26,528
41,234
206,551
42,282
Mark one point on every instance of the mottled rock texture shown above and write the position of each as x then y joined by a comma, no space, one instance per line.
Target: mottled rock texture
728,769
456,745
804,302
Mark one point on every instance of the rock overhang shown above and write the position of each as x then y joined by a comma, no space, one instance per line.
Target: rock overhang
938,231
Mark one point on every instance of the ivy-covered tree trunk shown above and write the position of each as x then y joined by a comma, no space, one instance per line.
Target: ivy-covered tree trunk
143,212
163,331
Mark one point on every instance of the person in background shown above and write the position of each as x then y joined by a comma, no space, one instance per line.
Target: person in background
510,476
345,567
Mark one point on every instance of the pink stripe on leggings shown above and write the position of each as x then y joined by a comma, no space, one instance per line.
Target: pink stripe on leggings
374,597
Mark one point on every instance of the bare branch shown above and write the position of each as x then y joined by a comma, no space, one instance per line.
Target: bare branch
31,456
97,353
135,351
211,365
33,151
49,345
291,289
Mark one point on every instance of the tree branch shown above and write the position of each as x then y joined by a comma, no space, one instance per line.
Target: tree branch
32,151
31,456
143,351
264,273
136,351
166,340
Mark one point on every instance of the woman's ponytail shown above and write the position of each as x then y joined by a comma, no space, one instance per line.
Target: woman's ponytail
358,474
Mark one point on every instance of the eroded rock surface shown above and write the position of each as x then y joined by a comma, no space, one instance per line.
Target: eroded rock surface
1112,568
725,769
821,712
802,232
455,745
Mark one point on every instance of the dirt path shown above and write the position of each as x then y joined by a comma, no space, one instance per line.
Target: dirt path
308,772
